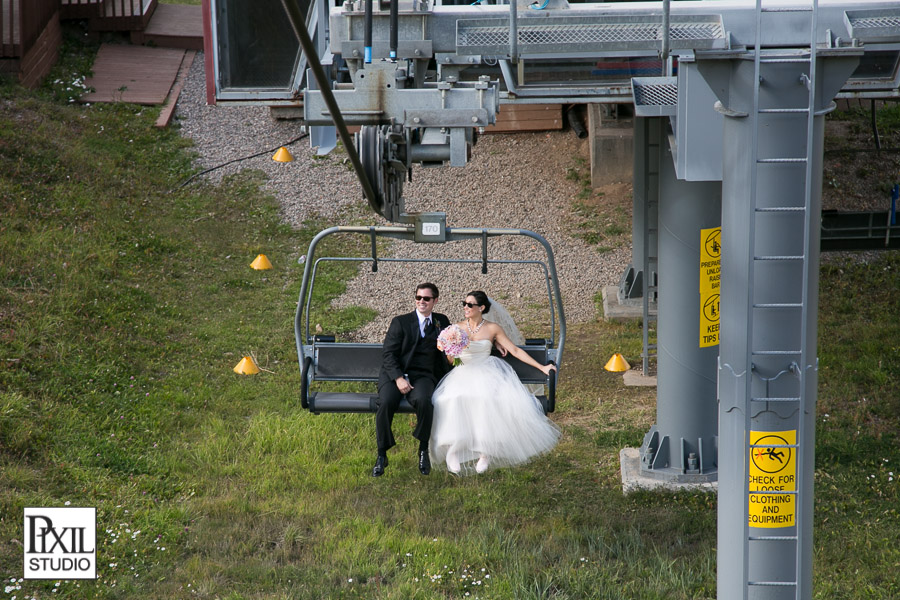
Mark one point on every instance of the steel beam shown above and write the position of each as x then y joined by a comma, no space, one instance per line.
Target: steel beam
682,445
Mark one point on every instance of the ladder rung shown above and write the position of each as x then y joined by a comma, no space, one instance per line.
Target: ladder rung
782,209
775,352
786,399
773,583
773,538
780,160
776,257
779,305
783,110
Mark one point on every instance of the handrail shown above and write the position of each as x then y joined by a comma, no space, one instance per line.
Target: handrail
513,31
407,232
472,261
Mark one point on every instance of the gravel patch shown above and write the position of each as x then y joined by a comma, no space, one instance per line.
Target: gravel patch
512,181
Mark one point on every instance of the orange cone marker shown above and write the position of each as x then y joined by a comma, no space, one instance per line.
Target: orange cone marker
261,263
617,364
246,366
283,155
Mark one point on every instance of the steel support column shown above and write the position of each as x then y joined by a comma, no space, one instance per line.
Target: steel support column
681,446
771,198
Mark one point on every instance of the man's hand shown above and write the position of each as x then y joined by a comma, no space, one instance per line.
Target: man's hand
403,385
500,348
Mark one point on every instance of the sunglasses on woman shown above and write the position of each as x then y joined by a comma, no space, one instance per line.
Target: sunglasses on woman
469,304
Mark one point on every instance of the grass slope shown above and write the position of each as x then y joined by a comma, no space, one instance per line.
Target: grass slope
124,306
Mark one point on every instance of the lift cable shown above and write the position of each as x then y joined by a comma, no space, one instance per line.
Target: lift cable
234,160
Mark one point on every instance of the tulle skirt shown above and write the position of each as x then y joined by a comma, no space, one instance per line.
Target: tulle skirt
482,409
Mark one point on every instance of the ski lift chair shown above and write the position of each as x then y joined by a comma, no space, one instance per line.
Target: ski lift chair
324,359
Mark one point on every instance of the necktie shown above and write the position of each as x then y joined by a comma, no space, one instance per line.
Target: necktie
429,328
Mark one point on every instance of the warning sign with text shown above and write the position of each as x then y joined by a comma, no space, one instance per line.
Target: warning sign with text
709,320
710,259
773,471
710,262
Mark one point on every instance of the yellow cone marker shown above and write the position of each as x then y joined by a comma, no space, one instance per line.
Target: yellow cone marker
246,366
261,263
617,363
283,155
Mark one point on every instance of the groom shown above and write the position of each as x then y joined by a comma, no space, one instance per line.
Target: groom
412,365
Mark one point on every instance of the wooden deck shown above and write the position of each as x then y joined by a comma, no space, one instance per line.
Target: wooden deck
173,26
150,75
137,74
119,74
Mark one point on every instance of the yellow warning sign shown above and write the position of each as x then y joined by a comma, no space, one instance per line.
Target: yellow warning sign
773,469
709,320
710,265
710,259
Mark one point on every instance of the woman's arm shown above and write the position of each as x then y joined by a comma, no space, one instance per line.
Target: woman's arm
500,337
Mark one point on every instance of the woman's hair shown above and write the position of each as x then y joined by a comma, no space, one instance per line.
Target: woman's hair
481,299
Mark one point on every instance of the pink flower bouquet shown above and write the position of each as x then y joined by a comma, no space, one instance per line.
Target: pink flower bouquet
452,341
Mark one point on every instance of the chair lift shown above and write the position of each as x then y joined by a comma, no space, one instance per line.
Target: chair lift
322,358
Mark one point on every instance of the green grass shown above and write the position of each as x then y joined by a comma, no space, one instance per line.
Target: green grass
124,307
593,220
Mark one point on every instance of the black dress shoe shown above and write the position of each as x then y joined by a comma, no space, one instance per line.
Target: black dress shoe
424,462
380,464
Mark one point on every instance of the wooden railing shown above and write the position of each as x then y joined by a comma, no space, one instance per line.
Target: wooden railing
113,8
21,23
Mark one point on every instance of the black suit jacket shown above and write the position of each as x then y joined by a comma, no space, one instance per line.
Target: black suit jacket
400,342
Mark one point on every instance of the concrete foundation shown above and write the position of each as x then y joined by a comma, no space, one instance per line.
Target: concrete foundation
633,479
635,378
616,309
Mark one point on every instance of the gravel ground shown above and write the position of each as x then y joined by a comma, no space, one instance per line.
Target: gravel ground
512,181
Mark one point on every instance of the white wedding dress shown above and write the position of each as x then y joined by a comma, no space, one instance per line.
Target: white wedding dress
482,409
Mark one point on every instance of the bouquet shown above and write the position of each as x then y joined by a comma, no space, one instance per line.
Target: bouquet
452,341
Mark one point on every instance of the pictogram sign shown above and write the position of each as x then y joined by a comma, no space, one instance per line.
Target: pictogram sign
773,469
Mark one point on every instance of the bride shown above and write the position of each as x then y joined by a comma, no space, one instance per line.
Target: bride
482,412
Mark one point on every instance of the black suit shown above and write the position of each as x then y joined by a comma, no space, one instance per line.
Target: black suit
406,352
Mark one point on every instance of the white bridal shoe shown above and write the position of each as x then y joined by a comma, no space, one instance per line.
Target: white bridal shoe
453,464
482,465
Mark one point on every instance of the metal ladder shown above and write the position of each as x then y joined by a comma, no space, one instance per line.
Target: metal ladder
796,356
650,267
